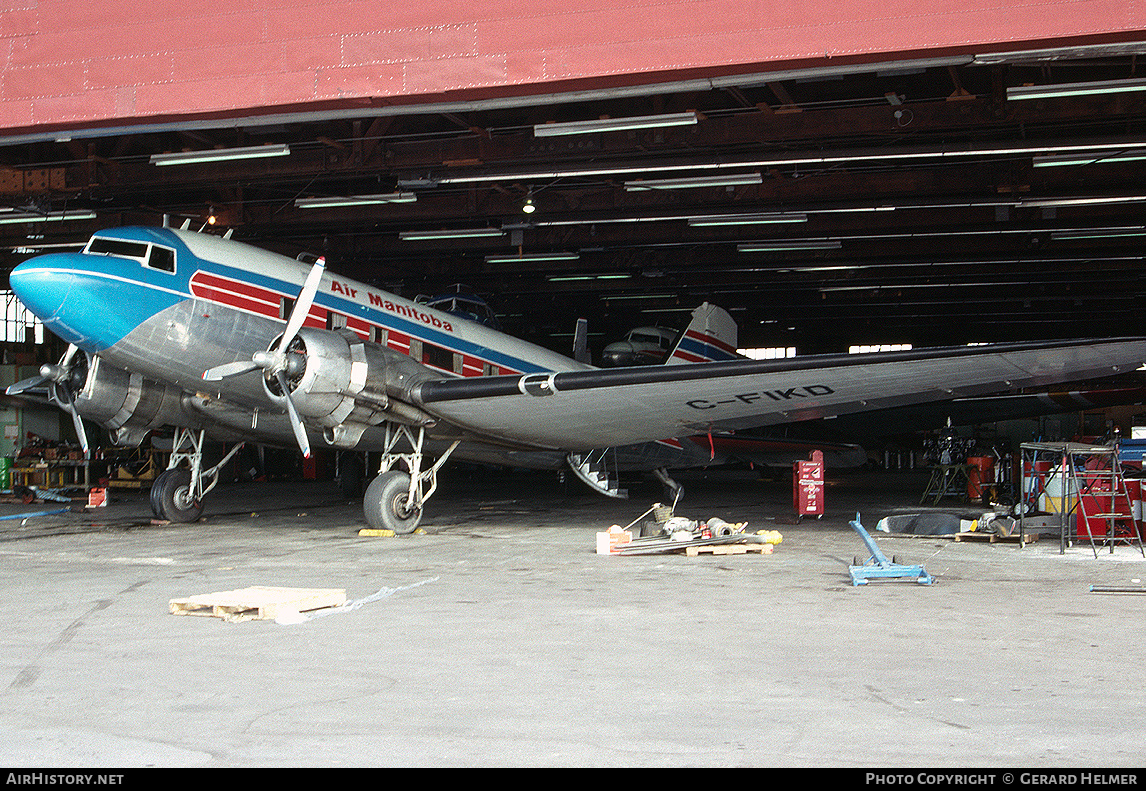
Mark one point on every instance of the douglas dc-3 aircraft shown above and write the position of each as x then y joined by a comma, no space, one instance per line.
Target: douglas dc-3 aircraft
223,340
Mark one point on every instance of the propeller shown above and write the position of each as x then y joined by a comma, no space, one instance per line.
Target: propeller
60,379
278,362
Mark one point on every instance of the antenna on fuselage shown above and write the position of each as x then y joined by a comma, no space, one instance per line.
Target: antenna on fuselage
581,342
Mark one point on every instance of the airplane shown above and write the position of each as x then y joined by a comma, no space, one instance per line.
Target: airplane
223,340
640,346
460,302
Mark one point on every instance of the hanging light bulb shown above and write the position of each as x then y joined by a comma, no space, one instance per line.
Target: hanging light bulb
528,206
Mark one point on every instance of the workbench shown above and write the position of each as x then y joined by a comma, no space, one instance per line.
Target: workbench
947,480
52,473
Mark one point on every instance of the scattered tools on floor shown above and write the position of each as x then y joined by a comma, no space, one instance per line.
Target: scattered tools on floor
878,566
669,533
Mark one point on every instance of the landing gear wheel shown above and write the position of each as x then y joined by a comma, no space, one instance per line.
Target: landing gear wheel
171,497
385,503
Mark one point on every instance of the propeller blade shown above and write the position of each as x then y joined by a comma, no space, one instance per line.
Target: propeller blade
295,420
68,355
229,369
31,383
81,434
302,304
64,397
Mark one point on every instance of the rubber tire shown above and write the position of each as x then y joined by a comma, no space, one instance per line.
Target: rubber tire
167,497
385,501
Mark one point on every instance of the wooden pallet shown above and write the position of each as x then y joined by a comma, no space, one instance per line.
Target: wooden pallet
729,549
258,603
995,538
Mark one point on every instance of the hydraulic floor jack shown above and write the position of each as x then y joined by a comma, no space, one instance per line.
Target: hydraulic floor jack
879,567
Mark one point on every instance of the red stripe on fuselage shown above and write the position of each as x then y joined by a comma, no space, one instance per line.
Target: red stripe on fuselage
236,294
244,296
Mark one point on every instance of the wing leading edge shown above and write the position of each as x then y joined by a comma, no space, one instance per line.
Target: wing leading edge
578,410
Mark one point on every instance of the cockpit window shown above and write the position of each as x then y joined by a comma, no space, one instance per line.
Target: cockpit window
117,247
162,258
153,256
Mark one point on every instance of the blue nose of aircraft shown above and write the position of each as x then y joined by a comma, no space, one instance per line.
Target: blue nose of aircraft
43,284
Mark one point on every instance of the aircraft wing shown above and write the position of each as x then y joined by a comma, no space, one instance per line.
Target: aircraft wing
580,410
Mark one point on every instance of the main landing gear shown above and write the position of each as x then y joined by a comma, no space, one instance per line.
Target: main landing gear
394,499
177,494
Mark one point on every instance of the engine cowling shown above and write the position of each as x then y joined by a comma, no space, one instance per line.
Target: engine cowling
348,385
126,403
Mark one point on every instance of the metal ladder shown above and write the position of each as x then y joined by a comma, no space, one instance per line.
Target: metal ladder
598,470
1101,493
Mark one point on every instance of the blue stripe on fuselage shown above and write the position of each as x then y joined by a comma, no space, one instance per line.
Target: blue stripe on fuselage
95,301
380,317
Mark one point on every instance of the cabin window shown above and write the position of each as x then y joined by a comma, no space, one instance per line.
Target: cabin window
437,356
378,335
335,321
162,258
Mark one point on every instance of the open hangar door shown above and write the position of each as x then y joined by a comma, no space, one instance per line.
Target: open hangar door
944,196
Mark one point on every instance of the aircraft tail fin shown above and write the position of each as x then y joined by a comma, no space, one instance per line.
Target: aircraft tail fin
710,336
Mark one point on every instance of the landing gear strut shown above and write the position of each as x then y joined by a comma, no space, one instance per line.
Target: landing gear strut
395,498
177,494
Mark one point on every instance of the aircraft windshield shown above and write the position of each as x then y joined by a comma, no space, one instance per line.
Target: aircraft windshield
117,247
151,255
642,337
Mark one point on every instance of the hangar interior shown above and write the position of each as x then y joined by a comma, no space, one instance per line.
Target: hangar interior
933,198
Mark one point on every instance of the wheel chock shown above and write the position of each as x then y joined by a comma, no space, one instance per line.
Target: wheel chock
878,566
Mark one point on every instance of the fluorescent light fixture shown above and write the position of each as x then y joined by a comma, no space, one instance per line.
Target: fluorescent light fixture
615,124
458,233
1083,158
731,180
1100,233
8,218
355,200
780,245
1093,201
530,257
564,278
219,155
1076,89
748,219
811,158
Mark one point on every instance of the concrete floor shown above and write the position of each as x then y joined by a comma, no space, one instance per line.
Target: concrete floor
500,638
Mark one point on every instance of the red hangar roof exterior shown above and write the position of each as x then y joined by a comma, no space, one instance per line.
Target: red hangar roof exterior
70,64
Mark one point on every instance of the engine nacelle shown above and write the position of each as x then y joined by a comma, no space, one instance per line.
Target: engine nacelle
349,385
126,403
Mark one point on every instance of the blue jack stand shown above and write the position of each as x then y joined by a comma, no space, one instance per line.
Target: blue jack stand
879,567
